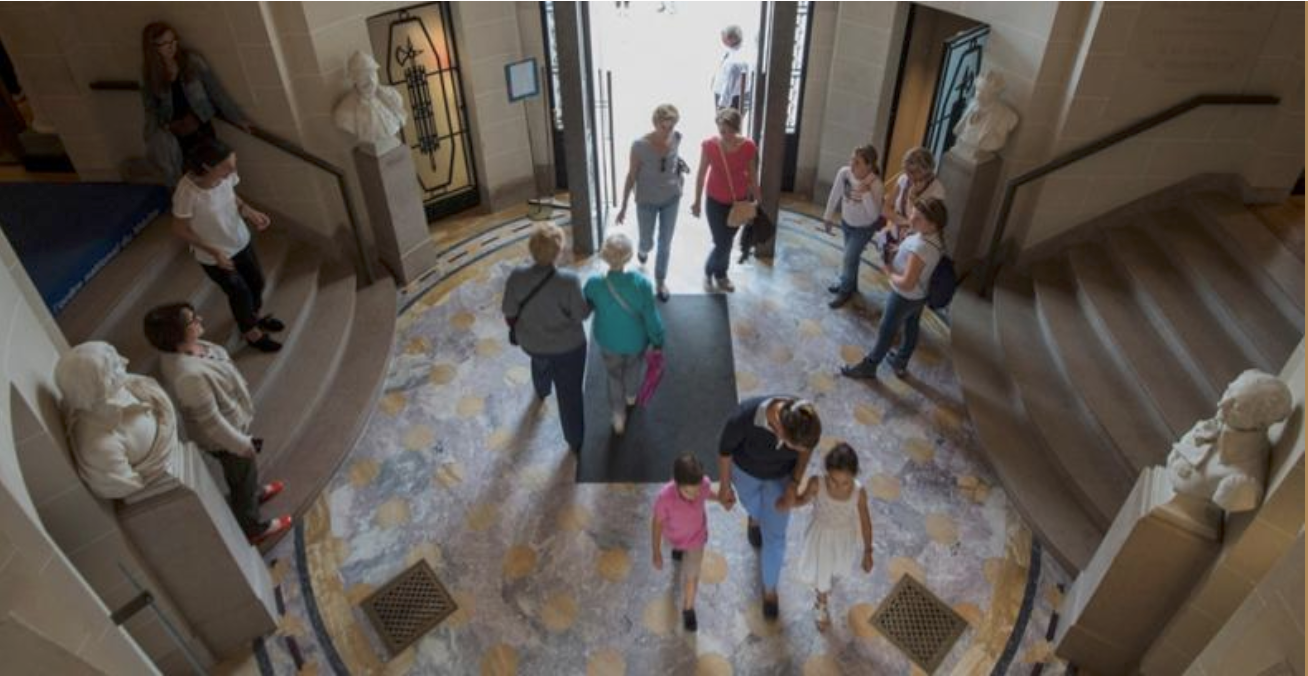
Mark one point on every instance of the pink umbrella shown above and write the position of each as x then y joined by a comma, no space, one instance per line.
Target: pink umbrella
653,374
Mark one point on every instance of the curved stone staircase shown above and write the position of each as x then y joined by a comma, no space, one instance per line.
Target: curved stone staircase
1083,368
313,398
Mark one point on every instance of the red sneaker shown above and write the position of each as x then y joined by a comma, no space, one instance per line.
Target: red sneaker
276,527
270,491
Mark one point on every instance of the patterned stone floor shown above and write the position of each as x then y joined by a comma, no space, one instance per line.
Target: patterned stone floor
458,467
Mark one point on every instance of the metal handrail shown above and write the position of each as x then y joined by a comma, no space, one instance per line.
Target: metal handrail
991,266
289,148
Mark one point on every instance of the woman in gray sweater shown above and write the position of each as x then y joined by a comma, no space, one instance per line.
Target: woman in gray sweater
216,406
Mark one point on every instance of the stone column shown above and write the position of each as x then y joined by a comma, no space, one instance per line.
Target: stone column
971,190
780,51
1143,571
190,540
579,123
390,190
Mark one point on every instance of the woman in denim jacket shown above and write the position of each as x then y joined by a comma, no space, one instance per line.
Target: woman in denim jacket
181,97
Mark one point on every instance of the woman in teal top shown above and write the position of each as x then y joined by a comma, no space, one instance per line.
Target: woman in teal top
626,323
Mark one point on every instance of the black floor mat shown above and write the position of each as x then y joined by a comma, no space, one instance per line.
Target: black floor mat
694,399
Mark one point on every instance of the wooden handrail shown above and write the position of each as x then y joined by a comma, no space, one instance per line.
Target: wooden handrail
289,148
990,269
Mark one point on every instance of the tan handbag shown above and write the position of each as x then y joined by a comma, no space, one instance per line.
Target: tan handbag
742,211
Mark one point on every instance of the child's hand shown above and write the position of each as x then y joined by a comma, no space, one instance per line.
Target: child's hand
867,561
658,560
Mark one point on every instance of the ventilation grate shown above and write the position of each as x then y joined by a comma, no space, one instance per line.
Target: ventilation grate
408,607
918,623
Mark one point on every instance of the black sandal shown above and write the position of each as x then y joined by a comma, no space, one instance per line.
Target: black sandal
271,323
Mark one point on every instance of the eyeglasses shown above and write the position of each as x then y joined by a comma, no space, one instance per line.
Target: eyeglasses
195,319
165,43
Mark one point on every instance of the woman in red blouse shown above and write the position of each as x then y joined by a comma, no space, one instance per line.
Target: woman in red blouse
728,163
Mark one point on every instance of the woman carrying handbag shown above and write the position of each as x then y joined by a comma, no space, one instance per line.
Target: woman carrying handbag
728,164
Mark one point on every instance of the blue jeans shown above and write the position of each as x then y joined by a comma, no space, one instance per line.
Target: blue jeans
719,259
856,240
759,496
566,371
899,312
665,215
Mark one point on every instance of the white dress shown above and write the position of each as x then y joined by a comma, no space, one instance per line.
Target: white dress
832,541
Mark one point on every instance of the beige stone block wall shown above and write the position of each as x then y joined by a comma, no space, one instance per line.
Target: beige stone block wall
821,51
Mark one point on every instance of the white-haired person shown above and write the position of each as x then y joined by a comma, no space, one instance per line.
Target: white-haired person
627,323
544,306
657,175
731,83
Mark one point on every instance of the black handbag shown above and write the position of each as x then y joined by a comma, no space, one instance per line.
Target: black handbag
513,321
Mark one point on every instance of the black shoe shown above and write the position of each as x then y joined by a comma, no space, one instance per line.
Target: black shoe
771,609
663,294
863,369
643,258
688,620
839,301
264,344
755,535
676,554
271,323
834,288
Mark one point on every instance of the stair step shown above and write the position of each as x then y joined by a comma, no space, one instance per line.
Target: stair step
1221,282
119,284
1175,310
291,301
1274,267
1032,483
286,404
340,420
1124,329
1071,438
1124,411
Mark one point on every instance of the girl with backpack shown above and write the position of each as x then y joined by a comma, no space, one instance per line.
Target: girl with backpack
910,279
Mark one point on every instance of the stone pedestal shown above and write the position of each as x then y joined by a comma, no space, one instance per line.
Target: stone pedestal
394,201
1141,574
970,191
190,540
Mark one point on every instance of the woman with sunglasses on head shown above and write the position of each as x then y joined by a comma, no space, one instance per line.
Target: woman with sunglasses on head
917,180
181,96
656,173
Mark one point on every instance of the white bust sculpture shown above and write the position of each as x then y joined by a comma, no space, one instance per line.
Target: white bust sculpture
122,427
372,112
1223,460
986,122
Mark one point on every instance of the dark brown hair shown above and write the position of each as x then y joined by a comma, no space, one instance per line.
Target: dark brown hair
868,153
165,326
687,470
153,72
842,458
801,424
933,208
207,154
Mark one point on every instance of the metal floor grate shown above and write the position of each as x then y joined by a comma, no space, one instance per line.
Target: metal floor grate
918,623
408,607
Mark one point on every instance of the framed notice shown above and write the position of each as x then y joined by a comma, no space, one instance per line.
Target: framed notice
522,79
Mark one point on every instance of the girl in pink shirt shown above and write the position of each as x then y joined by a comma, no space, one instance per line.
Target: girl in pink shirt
680,517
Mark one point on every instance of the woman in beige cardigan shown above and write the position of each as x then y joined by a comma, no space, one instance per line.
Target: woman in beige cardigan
216,405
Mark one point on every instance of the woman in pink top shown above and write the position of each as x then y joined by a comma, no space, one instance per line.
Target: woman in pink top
729,162
680,517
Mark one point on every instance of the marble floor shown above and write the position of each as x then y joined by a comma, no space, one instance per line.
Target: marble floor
458,466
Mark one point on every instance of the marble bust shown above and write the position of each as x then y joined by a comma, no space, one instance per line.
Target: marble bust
122,427
1222,461
986,123
371,112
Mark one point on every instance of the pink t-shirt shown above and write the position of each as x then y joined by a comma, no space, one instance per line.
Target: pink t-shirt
685,523
738,160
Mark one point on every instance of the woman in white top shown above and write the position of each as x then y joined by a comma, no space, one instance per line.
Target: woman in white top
916,180
910,276
215,403
858,193
211,217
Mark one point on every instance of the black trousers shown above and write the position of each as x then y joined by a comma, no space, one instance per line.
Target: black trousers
243,286
242,475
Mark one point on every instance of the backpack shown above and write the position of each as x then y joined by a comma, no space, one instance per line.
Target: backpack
943,282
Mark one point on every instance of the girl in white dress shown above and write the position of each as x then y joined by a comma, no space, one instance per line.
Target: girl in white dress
840,516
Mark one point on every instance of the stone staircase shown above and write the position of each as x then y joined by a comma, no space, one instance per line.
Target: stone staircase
314,397
1084,368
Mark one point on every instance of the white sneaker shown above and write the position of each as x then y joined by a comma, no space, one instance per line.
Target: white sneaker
619,423
631,401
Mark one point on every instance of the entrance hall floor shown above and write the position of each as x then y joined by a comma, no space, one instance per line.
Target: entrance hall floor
460,468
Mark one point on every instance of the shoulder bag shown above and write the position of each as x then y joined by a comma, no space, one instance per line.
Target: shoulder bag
513,322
